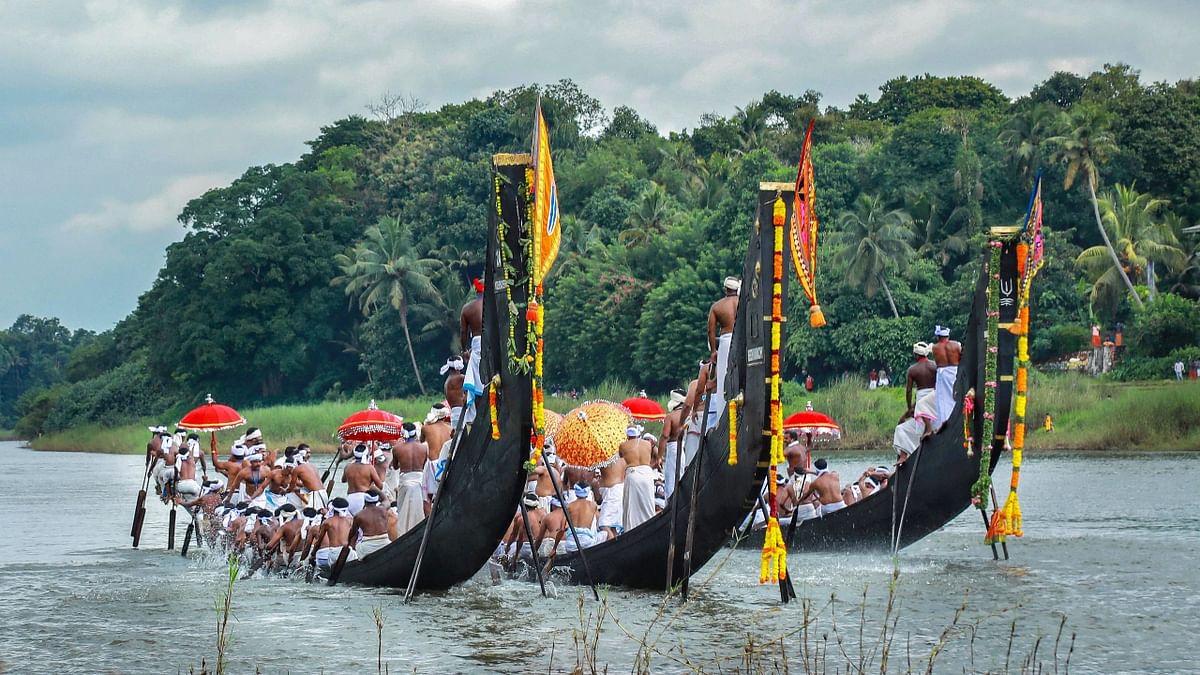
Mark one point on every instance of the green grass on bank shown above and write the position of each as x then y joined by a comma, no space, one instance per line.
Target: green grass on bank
1089,414
8,435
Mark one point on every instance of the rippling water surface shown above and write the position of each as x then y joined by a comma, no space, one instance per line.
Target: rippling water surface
1112,543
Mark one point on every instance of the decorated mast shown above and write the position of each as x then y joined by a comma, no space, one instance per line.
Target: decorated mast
803,231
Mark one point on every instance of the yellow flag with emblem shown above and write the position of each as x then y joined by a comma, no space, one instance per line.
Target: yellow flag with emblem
546,231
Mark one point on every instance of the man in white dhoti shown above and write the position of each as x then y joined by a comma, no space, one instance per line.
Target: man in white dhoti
946,353
638,505
920,418
668,446
408,459
456,393
721,317
372,527
470,321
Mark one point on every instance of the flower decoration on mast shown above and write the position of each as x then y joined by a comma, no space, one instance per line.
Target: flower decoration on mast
803,234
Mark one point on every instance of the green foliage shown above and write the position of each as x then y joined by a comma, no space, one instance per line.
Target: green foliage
1167,324
1055,341
1133,368
126,392
902,97
34,353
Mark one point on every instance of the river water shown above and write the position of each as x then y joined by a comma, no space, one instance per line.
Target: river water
1112,544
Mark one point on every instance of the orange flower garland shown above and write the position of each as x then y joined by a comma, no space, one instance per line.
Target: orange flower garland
733,422
774,552
492,414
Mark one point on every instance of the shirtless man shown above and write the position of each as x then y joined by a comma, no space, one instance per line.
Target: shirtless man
408,460
230,467
334,533
826,486
667,452
638,504
307,483
381,460
153,445
470,332
374,527
289,538
946,353
272,493
511,545
693,412
251,479
918,420
540,476
456,397
359,477
796,451
721,317
583,510
611,488
186,458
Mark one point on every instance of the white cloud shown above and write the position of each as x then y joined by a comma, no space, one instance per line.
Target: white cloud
156,212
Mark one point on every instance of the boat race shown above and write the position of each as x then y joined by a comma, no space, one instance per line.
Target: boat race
519,337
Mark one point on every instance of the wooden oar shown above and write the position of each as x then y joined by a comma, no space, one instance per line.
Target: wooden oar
691,524
458,434
171,520
193,526
537,564
674,505
139,507
575,535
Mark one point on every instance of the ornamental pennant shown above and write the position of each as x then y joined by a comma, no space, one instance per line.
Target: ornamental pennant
546,230
803,232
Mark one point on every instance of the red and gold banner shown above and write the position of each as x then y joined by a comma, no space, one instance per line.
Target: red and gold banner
804,230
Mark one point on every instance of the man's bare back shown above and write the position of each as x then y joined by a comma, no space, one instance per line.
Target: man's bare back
470,323
436,435
721,316
947,352
613,473
360,477
409,456
827,487
335,531
371,521
636,452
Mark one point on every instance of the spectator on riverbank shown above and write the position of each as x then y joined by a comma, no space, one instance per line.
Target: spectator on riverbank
1179,370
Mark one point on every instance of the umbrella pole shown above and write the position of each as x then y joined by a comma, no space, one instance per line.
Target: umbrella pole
575,535
458,433
691,525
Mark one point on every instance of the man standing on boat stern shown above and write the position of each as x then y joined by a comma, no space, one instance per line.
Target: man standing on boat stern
470,321
668,445
720,333
639,479
946,353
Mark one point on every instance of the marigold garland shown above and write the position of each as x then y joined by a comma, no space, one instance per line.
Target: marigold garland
493,415
733,422
774,552
982,486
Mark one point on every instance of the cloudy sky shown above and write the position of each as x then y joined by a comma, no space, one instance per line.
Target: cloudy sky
113,113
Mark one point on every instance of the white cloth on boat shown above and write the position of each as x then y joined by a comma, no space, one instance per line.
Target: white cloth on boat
946,375
457,412
612,507
410,501
670,459
368,545
907,436
357,501
826,509
188,489
327,556
638,504
587,537
472,383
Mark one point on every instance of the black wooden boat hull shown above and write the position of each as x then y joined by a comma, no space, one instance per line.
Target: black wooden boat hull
638,558
934,486
483,487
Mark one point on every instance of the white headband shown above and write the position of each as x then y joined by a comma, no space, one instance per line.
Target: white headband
455,363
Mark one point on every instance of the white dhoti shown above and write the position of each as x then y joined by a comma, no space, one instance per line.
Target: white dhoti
317,499
946,375
638,503
188,489
368,545
327,556
429,478
457,412
830,508
612,507
669,462
410,501
357,501
718,396
269,500
907,437
587,537
472,383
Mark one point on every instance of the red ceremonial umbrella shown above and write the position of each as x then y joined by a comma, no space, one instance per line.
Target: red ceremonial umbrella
371,424
819,425
643,408
211,417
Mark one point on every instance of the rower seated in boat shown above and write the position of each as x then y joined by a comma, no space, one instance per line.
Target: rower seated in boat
826,486
373,527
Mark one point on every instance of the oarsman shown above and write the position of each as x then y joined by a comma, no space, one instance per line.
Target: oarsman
307,483
334,533
250,480
582,510
826,486
408,461
541,477
186,485
382,462
611,488
668,445
796,451
154,445
359,478
470,332
693,411
265,530
207,502
638,506
435,433
164,466
456,397
946,353
917,423
374,527
289,538
721,317
515,539
312,526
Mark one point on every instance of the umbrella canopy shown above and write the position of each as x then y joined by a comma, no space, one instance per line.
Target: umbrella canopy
591,434
371,424
553,422
211,416
820,425
643,408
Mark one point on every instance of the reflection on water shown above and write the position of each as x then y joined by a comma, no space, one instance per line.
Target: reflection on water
1119,563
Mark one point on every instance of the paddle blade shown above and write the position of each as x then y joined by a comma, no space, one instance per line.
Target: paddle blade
137,525
138,504
337,566
187,540
171,532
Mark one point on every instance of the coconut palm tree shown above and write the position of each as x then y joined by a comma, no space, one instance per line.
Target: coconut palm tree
1132,219
1086,145
1025,137
934,232
385,269
876,242
649,218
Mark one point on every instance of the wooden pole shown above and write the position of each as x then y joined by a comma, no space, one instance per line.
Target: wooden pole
571,526
699,462
537,564
336,572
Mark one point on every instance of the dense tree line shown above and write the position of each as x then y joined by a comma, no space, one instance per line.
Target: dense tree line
343,272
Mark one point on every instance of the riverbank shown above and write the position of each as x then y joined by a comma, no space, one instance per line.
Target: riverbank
1088,414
